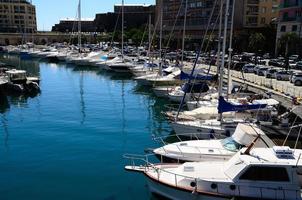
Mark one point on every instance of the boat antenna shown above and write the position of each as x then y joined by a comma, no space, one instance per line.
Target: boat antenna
250,147
260,137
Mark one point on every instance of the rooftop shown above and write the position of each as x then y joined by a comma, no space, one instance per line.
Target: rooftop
142,5
76,19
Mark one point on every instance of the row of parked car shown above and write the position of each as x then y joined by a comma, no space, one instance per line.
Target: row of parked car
277,73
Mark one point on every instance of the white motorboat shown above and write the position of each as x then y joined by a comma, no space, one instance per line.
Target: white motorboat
214,150
258,173
123,67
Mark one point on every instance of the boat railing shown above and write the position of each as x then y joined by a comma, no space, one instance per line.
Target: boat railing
179,137
146,165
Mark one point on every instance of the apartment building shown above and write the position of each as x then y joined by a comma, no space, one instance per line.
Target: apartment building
290,17
248,14
17,16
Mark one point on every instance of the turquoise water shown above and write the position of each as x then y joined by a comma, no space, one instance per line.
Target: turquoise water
68,142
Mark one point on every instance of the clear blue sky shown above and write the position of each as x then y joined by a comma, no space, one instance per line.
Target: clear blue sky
50,12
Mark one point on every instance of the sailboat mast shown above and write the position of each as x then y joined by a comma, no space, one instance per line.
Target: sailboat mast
221,72
123,30
160,37
184,34
79,27
149,48
219,34
230,51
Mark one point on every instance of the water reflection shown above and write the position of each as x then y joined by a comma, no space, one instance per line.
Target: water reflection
14,61
82,102
4,105
4,125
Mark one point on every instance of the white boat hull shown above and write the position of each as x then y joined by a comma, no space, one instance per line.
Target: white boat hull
177,194
200,132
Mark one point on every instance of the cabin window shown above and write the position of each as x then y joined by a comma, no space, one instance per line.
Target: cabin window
231,145
257,173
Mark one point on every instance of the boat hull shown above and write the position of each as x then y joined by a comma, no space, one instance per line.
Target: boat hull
200,132
171,192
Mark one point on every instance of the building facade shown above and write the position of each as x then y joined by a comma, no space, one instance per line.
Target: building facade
248,14
290,17
17,16
135,16
259,13
71,25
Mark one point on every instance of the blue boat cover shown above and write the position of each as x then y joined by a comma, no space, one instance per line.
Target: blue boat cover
184,76
224,106
195,87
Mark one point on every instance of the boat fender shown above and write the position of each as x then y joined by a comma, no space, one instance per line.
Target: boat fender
193,184
232,187
214,186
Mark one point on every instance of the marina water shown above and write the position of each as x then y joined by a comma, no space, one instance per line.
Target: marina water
68,142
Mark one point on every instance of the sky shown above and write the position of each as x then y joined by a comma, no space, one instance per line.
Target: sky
49,12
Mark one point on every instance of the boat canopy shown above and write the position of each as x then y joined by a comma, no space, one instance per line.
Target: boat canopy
245,134
195,87
224,106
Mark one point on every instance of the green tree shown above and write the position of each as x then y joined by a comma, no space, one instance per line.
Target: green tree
289,42
256,42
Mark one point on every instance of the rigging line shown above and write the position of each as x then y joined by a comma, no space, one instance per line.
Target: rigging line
290,130
174,24
258,134
142,40
115,26
197,57
298,137
73,28
211,34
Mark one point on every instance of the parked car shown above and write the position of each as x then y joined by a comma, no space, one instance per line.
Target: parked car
294,57
257,67
261,71
283,75
248,68
297,79
275,63
299,65
292,64
270,73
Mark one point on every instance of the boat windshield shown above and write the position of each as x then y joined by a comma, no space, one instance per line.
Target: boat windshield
231,145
